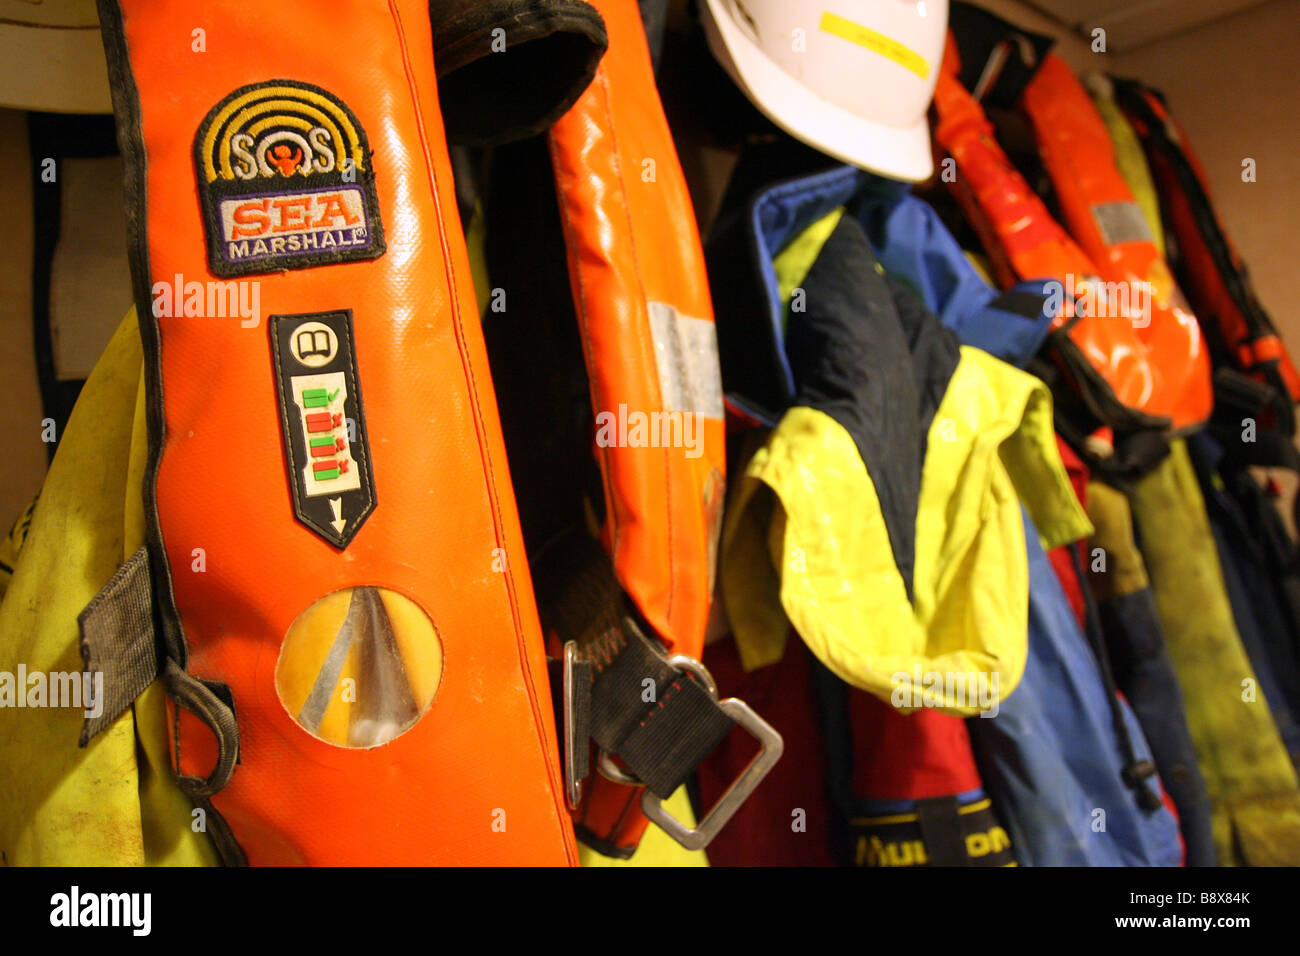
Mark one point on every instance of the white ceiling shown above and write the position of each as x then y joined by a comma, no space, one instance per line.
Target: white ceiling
1133,23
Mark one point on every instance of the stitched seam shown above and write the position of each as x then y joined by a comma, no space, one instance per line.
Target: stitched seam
668,694
549,758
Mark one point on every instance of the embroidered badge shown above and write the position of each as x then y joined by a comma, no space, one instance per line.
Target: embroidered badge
286,181
323,423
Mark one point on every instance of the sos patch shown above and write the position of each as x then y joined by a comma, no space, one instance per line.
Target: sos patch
286,181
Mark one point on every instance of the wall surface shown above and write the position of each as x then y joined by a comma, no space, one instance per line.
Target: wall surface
1234,86
23,461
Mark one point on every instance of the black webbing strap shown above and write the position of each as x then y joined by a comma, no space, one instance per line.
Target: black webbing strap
1133,455
1239,397
942,831
211,702
1027,305
660,720
657,718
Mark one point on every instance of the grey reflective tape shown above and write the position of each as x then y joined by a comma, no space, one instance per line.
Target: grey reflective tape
385,702
686,356
1121,222
117,641
318,698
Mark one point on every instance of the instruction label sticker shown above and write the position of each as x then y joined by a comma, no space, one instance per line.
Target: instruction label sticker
323,422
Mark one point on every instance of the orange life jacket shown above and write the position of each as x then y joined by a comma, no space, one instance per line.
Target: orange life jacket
1024,241
1125,359
337,564
1239,332
1104,218
641,296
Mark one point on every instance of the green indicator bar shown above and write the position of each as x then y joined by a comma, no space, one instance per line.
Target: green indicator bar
322,440
315,398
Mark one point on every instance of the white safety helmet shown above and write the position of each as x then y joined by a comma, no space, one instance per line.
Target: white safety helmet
852,78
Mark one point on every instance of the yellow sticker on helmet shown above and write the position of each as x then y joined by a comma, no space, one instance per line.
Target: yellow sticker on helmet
888,47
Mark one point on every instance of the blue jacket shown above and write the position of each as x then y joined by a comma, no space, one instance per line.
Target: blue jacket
1051,759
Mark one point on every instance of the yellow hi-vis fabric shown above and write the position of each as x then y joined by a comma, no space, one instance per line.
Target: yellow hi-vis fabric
656,848
797,258
1125,572
805,542
1254,794
115,802
12,543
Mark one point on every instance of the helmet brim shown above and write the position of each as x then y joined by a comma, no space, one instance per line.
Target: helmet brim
895,152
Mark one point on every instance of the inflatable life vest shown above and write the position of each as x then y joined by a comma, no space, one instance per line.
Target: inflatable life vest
641,298
1129,158
1237,329
332,548
1023,241
1101,213
1102,342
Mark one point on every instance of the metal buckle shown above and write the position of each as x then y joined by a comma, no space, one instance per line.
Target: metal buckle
716,818
572,785
771,747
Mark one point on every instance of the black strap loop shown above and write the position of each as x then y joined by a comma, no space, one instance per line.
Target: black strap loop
659,719
211,702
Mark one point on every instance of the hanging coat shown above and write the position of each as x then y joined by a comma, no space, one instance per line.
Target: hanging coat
1254,580
115,802
1135,645
791,222
876,815
1050,757
908,520
1252,785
